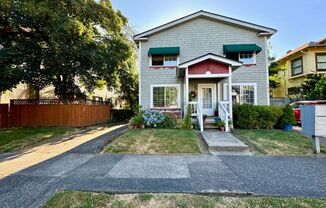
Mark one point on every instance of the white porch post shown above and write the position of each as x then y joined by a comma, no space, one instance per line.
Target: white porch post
186,91
230,92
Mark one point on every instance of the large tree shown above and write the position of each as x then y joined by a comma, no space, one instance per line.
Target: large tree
62,43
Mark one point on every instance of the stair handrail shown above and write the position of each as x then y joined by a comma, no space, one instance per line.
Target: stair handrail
224,114
200,116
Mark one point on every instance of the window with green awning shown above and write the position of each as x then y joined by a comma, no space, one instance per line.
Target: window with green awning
235,48
164,51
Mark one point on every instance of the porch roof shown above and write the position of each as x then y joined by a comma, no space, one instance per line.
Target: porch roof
214,57
209,56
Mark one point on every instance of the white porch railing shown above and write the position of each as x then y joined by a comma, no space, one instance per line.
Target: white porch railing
196,110
224,113
193,106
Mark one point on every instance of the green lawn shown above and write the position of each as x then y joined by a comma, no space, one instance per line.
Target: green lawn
155,141
17,138
89,200
277,142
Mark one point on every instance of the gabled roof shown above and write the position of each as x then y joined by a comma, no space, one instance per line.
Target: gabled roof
261,30
213,57
319,43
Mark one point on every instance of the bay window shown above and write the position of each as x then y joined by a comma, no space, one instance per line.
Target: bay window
165,96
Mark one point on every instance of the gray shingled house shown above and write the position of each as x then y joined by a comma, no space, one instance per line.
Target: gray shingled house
204,60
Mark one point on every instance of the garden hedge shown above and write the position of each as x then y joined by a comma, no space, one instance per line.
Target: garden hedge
257,117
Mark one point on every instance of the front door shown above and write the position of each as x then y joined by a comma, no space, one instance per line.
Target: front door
207,97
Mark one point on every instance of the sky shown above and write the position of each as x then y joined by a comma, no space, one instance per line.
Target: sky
297,21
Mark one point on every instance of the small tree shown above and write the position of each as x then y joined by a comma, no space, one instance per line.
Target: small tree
288,116
186,122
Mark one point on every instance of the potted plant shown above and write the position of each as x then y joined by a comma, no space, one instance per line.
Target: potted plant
137,122
287,119
221,125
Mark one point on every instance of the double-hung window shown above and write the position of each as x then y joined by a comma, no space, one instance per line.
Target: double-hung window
164,60
247,57
321,61
242,93
165,96
296,67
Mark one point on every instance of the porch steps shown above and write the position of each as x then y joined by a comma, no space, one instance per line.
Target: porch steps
221,143
210,123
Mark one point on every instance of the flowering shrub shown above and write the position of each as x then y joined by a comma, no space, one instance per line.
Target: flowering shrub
154,119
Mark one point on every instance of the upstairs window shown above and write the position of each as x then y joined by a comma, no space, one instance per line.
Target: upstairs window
321,62
247,57
157,60
296,66
164,60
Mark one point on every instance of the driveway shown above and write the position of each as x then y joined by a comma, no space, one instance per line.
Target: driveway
82,169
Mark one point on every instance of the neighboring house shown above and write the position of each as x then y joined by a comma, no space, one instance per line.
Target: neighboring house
309,58
22,91
205,60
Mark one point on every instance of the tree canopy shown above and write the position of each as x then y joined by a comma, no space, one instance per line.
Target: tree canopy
62,43
313,87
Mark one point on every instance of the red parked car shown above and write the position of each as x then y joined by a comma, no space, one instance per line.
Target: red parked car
296,107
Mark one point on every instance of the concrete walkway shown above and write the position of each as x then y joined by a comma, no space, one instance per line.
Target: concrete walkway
27,158
219,142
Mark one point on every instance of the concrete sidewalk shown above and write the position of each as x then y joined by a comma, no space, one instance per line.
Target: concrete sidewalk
257,175
38,154
83,170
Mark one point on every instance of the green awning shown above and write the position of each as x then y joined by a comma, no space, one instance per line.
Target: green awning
164,51
241,48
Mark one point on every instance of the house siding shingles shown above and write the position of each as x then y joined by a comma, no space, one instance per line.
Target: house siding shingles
196,38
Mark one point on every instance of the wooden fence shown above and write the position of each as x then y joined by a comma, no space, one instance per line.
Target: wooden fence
65,113
3,115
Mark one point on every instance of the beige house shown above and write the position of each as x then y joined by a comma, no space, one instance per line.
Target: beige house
309,58
22,91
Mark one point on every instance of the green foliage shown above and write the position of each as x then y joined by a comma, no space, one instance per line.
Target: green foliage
314,87
127,74
186,122
59,42
137,120
256,117
288,116
220,124
170,122
274,79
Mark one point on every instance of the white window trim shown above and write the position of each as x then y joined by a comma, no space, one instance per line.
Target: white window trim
225,90
150,62
253,56
165,85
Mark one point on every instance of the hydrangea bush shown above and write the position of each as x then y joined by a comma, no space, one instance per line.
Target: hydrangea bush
154,119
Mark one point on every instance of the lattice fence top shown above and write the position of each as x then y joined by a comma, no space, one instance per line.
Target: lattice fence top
55,102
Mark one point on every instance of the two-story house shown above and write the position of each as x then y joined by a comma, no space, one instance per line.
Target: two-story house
309,58
204,60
